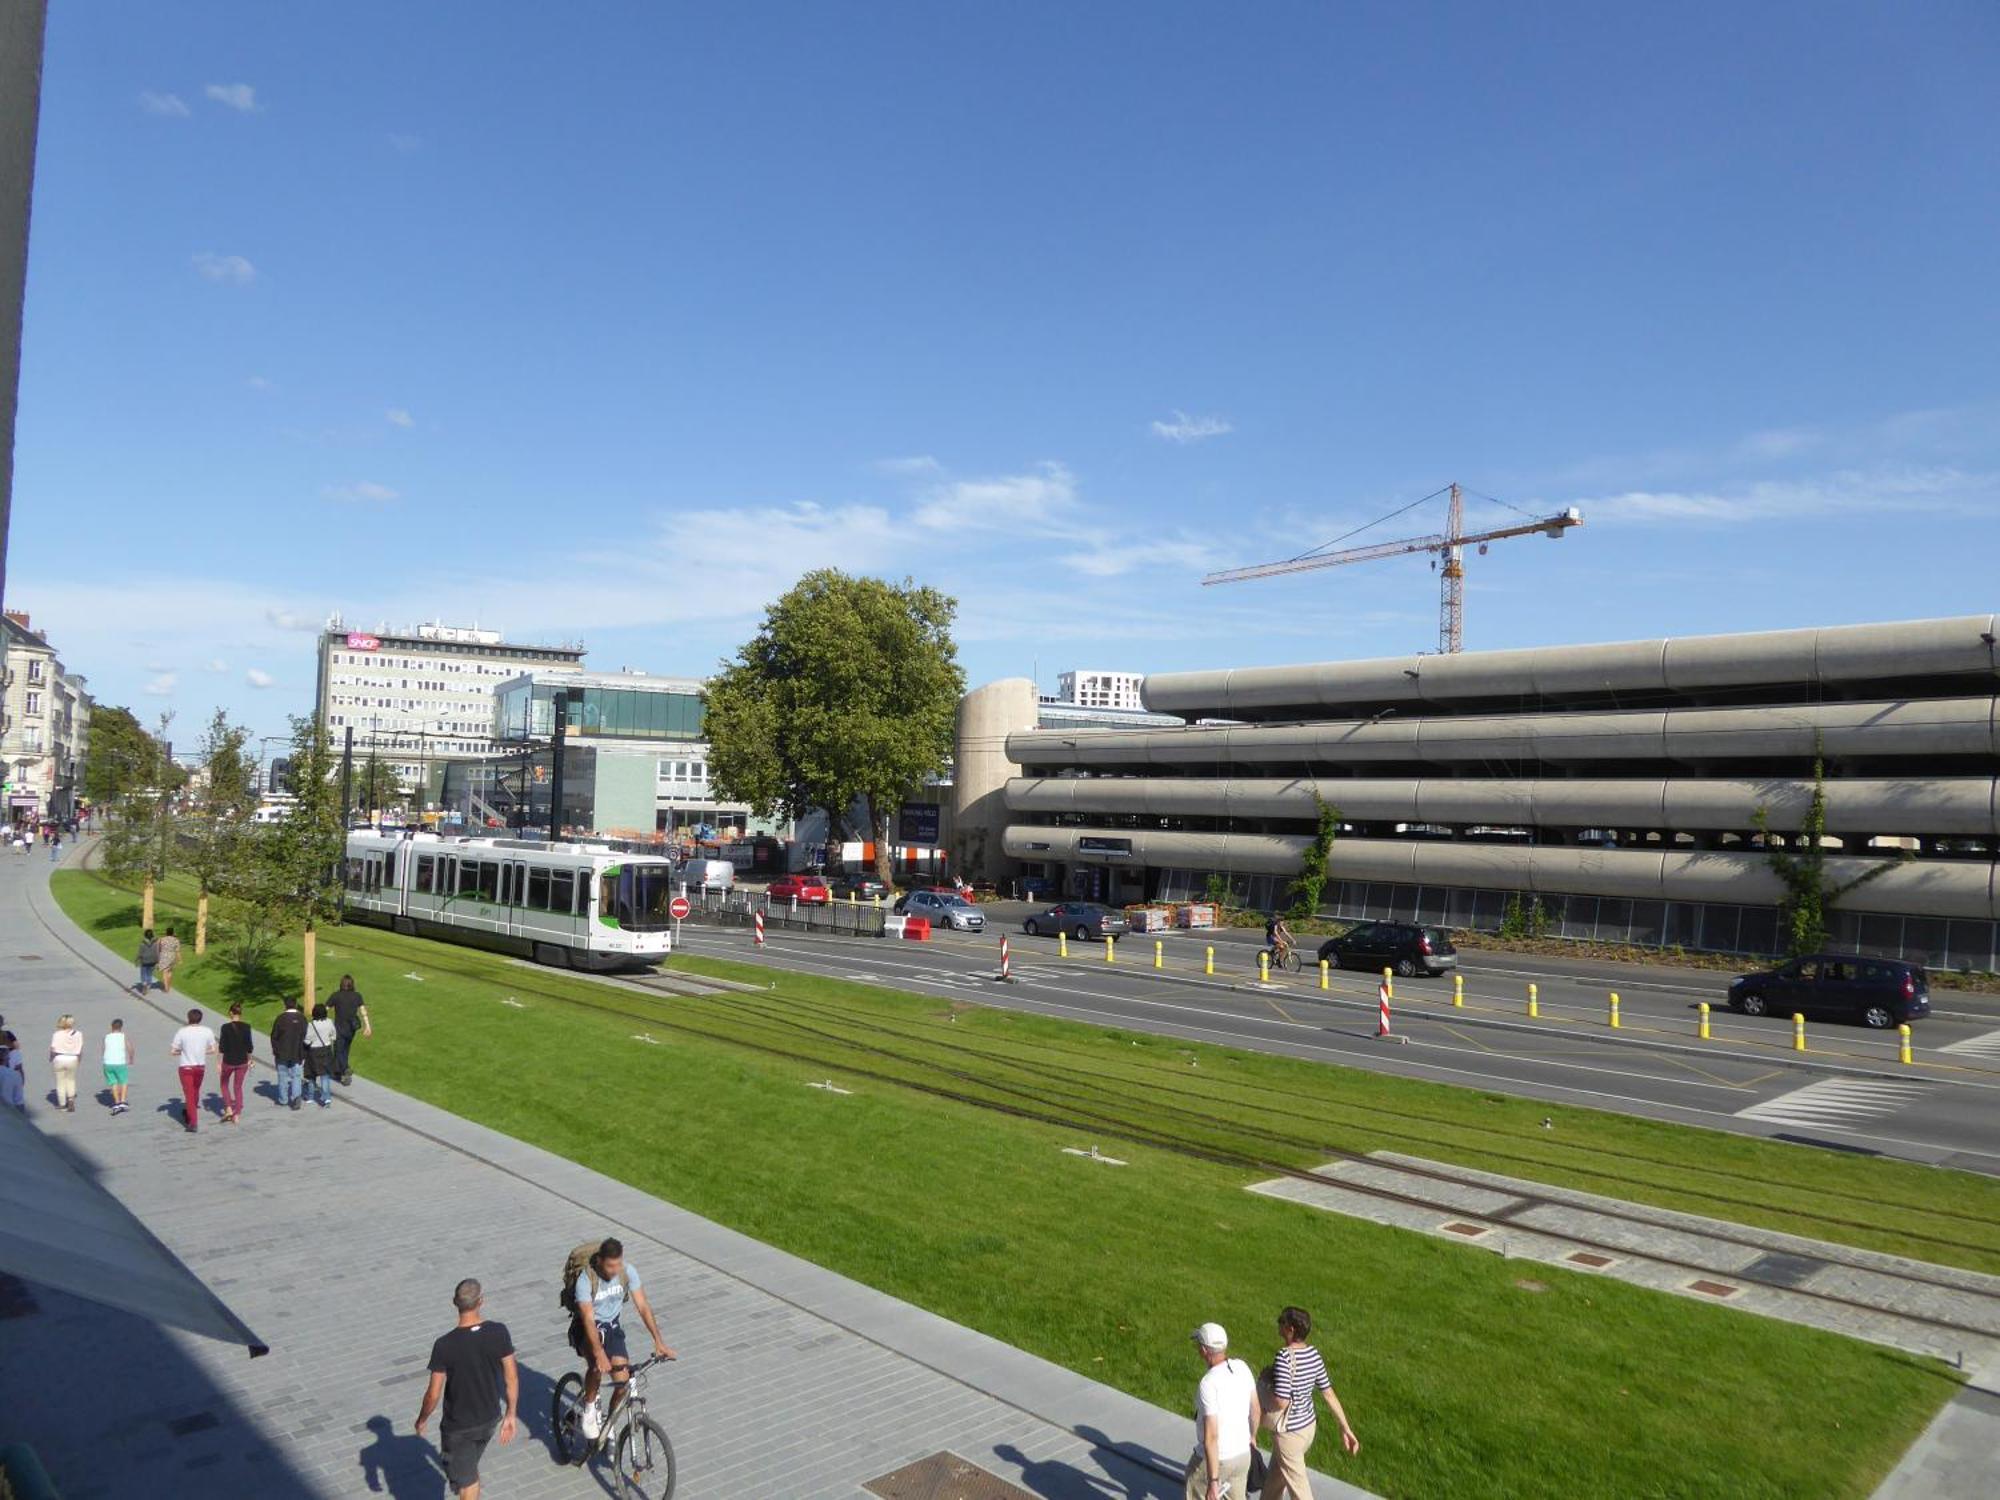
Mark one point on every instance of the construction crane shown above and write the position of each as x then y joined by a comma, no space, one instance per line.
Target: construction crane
1451,542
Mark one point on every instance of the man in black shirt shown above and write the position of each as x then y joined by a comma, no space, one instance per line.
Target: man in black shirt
350,1015
468,1368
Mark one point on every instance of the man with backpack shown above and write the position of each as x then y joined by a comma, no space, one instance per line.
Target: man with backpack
597,1283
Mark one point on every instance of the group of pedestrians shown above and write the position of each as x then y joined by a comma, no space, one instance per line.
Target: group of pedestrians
157,959
309,1055
1231,1405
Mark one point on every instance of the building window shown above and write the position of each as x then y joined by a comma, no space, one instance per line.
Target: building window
34,703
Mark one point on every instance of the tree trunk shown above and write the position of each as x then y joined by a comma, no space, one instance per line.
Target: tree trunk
312,956
885,854
201,924
146,905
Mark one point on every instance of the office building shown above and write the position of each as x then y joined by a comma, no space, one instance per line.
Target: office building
44,728
1089,689
1617,787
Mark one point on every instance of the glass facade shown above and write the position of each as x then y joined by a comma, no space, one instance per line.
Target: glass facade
525,710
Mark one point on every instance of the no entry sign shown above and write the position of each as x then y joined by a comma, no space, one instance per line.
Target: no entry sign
678,908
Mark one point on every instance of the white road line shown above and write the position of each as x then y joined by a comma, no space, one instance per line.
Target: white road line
1987,1045
1836,1102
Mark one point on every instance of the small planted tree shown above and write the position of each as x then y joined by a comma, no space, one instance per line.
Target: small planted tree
143,780
216,820
294,879
1810,894
1302,896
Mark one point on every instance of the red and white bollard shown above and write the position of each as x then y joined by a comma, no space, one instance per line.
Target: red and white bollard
1006,971
757,921
1382,1021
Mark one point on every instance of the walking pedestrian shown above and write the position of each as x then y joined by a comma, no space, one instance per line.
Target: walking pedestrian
192,1047
350,1014
55,845
1297,1374
117,1064
170,954
470,1368
149,960
237,1042
288,1052
1226,1418
13,1079
319,1057
65,1052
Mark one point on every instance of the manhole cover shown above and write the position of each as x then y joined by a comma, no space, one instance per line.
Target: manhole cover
1713,1288
1587,1258
29,958
944,1476
1470,1231
1782,1270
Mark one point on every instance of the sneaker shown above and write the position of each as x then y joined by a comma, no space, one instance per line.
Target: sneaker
591,1420
296,1103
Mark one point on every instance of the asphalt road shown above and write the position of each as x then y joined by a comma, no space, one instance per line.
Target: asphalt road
1847,1091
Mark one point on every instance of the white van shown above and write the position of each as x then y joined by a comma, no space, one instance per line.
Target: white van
708,874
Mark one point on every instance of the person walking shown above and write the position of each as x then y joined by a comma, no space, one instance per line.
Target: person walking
319,1057
1226,1419
288,1052
472,1368
350,1014
1297,1375
193,1045
13,1080
149,960
65,1052
170,954
55,845
237,1042
117,1064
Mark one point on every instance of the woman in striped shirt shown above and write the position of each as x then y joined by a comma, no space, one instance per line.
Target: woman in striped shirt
1296,1374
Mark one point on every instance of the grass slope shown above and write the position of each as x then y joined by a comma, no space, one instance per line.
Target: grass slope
1466,1375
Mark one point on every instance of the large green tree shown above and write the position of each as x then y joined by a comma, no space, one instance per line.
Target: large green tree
123,757
139,842
847,695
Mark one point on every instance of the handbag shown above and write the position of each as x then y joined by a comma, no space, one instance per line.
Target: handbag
1259,1471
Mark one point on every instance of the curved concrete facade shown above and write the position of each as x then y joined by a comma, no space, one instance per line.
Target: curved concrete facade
987,718
1827,656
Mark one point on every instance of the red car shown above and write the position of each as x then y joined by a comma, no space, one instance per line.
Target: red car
806,890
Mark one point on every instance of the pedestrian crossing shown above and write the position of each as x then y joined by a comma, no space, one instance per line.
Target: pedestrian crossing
1835,1102
1987,1045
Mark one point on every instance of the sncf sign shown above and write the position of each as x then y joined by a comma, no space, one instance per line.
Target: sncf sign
358,642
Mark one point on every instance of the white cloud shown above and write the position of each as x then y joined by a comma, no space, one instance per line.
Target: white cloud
290,619
1045,494
259,383
170,106
364,491
1108,557
258,678
217,664
161,686
1885,492
232,270
399,418
237,96
1186,429
917,464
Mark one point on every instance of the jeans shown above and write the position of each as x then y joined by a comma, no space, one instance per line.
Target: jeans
291,1082
191,1093
322,1087
342,1040
232,1087
145,977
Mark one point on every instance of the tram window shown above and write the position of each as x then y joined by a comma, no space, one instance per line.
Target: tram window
489,880
562,891
354,874
389,868
425,864
538,890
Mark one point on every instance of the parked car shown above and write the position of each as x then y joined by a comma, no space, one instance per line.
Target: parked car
1080,919
708,874
1406,947
944,908
806,890
860,887
1877,992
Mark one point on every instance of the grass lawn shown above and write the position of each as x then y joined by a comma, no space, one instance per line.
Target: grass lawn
1465,1375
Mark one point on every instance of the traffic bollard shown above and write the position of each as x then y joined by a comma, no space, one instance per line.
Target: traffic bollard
1458,991
1534,1003
1006,969
1159,954
1798,1032
1703,1033
1325,969
1210,969
1108,951
1062,945
1614,1010
1389,983
1263,967
758,918
1903,1042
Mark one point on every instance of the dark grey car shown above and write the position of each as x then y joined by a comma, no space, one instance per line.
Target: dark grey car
1080,919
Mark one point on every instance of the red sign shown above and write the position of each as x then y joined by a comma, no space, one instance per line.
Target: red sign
358,642
678,908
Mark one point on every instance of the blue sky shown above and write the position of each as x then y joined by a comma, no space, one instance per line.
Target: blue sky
608,329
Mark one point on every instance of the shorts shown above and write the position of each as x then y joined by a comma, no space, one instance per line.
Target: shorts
116,1074
461,1451
610,1335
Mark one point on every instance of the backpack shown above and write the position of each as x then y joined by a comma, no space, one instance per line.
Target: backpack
582,1262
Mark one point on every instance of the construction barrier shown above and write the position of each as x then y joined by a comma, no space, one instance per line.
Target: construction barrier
917,929
1382,1027
757,925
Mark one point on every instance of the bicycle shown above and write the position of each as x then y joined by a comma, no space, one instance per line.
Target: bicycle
642,1454
1286,957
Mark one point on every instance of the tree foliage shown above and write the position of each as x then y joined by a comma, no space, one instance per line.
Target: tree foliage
1302,896
1809,893
295,876
847,694
123,758
139,842
375,784
215,822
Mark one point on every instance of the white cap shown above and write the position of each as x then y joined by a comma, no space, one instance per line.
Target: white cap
1212,1336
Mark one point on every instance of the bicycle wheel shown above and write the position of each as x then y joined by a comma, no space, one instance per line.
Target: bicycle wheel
645,1461
563,1408
1291,960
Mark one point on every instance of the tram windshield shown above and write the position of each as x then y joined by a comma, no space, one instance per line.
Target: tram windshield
637,895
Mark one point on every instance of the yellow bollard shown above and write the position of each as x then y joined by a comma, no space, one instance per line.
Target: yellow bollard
1704,1020
1903,1042
1614,1010
1108,951
1211,959
1798,1032
1159,954
853,897
1534,1004
1325,969
1062,945
1458,991
1263,966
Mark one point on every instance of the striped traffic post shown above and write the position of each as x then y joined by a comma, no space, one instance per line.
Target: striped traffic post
1005,971
757,920
1382,1018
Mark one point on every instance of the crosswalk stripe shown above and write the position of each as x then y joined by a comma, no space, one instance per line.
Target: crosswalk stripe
1835,1101
1987,1045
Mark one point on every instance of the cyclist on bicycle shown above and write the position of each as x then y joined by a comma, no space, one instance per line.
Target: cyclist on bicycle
600,1294
1278,938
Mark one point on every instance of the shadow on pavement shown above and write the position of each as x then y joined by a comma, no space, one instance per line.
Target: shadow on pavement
400,1465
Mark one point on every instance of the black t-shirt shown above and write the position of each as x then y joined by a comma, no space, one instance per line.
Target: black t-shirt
236,1043
469,1359
346,1008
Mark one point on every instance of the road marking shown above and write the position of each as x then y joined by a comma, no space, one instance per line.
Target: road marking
1976,1046
1835,1102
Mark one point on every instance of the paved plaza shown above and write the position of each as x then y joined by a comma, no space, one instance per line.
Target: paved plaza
337,1236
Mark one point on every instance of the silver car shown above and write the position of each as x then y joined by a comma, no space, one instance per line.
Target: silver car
944,910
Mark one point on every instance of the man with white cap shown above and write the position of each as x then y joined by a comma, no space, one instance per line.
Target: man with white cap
1226,1418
